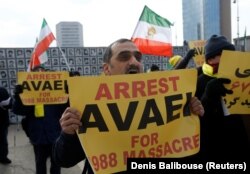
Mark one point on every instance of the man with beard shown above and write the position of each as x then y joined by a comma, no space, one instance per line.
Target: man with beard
121,57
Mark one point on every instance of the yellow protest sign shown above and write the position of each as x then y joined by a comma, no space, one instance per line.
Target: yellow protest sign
235,65
43,87
198,45
140,115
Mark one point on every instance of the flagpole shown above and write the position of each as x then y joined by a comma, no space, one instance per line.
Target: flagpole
238,21
245,39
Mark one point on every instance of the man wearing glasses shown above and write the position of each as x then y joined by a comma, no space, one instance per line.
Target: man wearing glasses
121,57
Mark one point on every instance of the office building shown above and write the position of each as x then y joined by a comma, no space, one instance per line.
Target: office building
242,43
69,34
203,18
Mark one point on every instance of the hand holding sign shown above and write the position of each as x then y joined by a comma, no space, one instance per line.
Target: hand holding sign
18,89
215,88
190,54
70,121
196,106
42,87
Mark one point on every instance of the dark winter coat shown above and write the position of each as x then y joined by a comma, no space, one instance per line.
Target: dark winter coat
222,137
42,130
4,112
67,152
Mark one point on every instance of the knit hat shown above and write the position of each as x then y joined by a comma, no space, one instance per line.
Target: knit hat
215,45
173,61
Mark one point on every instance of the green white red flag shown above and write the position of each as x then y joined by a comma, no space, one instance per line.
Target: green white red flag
152,34
39,55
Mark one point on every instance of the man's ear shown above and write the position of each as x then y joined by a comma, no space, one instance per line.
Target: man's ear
105,68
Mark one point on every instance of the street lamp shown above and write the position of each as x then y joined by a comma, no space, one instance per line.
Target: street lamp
238,20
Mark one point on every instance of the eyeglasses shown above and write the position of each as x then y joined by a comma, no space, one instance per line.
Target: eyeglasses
126,55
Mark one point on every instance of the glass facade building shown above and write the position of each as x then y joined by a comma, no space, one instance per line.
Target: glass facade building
212,18
192,18
203,18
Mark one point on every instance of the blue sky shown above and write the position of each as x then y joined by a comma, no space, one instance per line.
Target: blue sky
103,20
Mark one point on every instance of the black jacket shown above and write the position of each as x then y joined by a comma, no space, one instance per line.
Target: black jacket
4,110
222,137
43,130
67,152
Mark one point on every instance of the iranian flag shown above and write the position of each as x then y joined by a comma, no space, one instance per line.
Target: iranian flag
39,55
152,34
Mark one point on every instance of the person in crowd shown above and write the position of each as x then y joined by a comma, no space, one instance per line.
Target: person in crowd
5,105
222,137
183,62
154,68
74,73
178,62
41,125
121,57
173,61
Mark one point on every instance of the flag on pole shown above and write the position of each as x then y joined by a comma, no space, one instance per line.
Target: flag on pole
39,55
31,62
152,34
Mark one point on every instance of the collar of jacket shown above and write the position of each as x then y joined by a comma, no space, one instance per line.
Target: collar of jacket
208,70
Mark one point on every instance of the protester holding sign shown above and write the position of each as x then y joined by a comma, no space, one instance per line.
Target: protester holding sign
41,124
184,61
121,57
222,137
